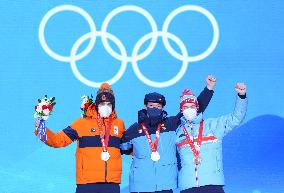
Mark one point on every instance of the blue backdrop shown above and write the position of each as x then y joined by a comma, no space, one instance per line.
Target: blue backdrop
249,49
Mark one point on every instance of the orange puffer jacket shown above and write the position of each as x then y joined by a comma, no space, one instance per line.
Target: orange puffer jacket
89,166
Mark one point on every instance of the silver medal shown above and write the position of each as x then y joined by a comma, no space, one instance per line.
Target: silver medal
105,155
155,156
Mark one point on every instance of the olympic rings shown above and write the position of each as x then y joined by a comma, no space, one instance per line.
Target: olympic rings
135,56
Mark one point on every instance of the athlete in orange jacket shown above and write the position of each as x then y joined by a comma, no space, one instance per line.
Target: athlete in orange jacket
98,136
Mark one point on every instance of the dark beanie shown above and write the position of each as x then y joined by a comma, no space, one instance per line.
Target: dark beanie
105,94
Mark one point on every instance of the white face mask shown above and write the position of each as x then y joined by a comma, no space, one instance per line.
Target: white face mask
105,110
190,114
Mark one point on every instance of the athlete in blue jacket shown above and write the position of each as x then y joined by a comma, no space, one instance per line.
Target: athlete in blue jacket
200,144
153,140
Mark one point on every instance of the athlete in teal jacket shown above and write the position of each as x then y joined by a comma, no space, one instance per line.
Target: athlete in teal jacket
200,144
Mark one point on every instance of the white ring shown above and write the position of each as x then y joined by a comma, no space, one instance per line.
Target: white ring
123,57
75,70
137,9
52,12
213,23
174,79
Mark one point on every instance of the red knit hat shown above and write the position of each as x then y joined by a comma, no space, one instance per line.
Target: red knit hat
188,97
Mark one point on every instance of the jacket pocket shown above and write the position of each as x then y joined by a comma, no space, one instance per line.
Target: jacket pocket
219,163
168,170
93,168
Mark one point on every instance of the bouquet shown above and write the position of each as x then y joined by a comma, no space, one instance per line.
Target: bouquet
87,101
43,110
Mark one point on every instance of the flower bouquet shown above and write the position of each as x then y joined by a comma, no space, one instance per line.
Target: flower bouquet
87,101
43,110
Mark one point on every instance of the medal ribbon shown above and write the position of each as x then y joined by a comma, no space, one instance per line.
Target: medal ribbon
191,142
155,144
193,149
104,137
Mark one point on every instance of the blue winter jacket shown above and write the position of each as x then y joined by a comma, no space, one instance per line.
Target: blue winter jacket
147,175
210,171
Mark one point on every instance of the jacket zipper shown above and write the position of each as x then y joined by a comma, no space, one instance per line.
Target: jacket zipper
155,169
156,175
105,161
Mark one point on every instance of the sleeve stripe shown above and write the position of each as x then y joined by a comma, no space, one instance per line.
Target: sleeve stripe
71,133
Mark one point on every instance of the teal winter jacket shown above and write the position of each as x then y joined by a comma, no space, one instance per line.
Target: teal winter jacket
210,170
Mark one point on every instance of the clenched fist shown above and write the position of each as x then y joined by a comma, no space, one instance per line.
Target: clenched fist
241,88
211,82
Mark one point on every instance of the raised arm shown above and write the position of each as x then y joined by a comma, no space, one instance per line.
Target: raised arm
222,125
207,93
